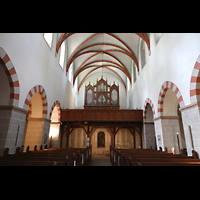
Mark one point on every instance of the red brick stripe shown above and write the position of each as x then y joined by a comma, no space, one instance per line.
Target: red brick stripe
168,85
148,100
12,76
35,89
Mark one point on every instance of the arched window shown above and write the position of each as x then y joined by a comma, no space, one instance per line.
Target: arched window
142,54
70,73
101,139
157,37
48,37
62,55
134,73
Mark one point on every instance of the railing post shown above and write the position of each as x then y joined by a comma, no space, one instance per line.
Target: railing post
74,160
119,158
90,152
78,160
82,157
123,159
66,160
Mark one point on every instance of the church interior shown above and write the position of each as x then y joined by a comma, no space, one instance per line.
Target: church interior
100,94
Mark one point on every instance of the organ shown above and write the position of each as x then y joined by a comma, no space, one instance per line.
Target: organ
101,95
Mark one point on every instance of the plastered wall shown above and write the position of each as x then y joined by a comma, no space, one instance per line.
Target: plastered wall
36,64
172,59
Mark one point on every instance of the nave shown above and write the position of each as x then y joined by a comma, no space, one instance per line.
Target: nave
70,90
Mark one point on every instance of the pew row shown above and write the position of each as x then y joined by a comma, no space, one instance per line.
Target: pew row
47,157
150,157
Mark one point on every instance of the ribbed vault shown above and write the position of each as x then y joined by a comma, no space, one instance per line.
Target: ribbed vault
112,52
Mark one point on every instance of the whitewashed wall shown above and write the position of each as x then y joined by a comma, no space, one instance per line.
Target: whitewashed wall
36,64
172,59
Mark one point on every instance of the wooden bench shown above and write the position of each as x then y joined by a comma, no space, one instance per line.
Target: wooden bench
150,157
47,157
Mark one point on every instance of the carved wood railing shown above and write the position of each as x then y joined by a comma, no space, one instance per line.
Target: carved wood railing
105,115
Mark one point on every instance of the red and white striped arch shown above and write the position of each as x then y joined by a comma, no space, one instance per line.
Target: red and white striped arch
195,83
56,103
148,100
12,77
41,90
168,85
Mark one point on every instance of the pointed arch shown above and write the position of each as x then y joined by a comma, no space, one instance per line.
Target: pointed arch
64,36
87,66
98,68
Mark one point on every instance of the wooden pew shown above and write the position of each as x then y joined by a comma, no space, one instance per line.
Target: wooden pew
150,157
47,157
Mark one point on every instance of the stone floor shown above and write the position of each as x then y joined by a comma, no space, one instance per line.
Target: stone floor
100,160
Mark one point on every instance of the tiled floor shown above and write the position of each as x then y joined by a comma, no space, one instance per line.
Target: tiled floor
100,160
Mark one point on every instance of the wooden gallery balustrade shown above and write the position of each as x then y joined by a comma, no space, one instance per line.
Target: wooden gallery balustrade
113,120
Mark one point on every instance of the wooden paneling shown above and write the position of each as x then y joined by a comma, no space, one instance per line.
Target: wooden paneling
101,115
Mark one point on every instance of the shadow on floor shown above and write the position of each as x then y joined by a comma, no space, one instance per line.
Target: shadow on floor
100,160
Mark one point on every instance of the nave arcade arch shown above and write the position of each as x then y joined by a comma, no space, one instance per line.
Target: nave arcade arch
171,132
36,131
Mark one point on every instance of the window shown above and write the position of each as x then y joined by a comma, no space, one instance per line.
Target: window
142,54
70,77
76,85
157,37
62,55
101,139
134,73
48,37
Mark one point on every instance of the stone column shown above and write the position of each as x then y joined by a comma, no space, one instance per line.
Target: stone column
191,125
12,122
37,133
166,128
149,135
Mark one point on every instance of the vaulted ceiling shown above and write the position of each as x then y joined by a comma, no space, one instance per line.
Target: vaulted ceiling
109,52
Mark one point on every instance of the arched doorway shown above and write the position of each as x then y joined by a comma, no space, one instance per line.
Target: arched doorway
37,126
54,132
12,118
149,130
101,139
4,102
172,126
